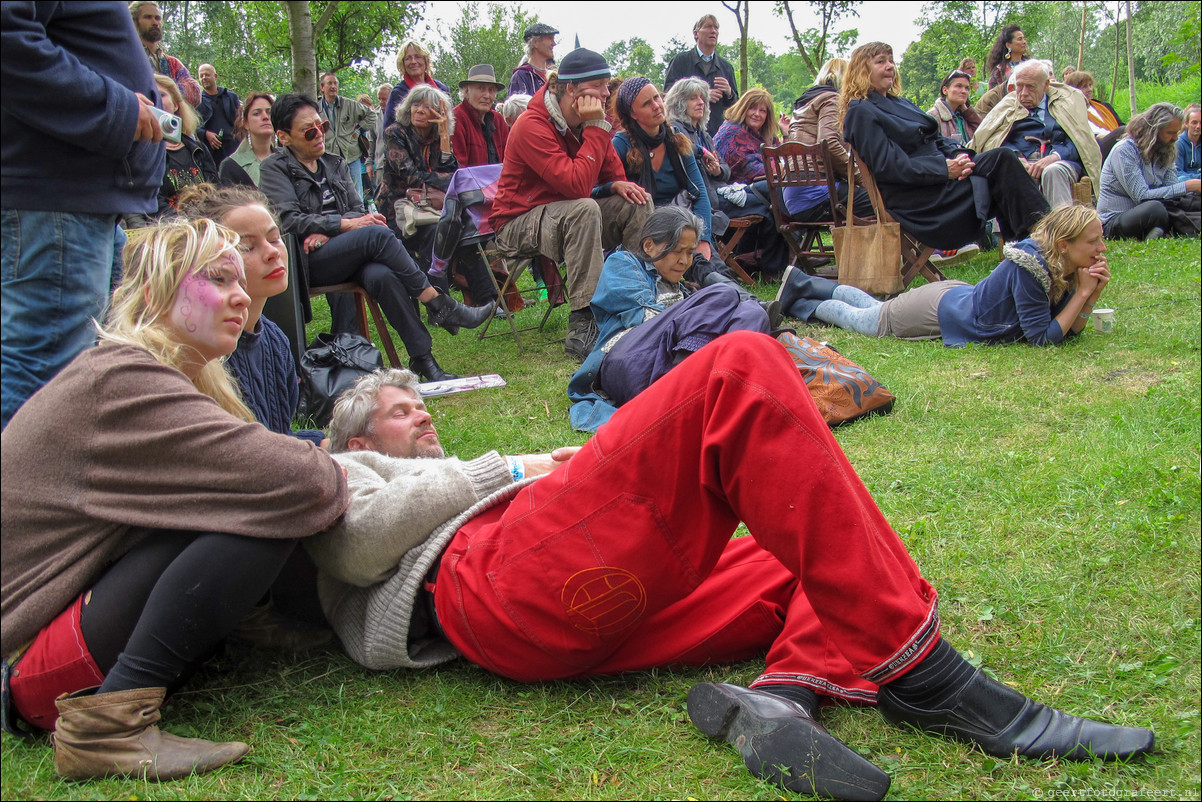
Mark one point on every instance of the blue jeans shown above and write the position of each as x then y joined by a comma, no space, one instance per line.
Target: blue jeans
58,270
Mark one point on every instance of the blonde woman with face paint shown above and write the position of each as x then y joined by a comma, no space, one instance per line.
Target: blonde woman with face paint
145,514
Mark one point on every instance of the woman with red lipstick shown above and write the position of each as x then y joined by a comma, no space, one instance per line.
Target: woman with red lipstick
262,365
145,514
939,190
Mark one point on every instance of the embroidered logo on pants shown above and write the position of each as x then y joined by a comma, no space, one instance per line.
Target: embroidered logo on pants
603,601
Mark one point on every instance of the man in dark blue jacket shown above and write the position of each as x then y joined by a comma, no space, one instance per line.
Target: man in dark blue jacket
80,147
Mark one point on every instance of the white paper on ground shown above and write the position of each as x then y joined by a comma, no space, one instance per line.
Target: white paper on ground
460,385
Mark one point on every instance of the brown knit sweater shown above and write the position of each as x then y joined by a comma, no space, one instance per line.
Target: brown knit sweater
118,441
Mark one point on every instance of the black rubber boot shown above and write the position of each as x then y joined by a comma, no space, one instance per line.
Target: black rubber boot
800,293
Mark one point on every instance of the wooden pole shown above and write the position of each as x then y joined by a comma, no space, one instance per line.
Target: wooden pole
1081,46
1130,62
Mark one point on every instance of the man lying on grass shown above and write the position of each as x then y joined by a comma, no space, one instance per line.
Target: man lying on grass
618,556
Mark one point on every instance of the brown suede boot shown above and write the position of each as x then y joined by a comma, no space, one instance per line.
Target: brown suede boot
114,734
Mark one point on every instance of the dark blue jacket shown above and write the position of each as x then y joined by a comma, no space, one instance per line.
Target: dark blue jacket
1008,305
68,112
1189,158
263,367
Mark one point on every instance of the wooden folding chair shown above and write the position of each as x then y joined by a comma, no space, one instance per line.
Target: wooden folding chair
915,256
726,250
792,164
363,303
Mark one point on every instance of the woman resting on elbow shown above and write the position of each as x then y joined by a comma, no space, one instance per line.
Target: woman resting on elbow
1042,292
649,320
135,545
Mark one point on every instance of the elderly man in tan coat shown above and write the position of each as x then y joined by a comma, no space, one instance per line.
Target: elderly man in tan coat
1048,124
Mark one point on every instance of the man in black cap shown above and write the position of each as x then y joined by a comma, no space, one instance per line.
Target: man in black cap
704,62
563,191
480,132
531,74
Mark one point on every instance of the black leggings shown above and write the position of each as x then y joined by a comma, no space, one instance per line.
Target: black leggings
164,607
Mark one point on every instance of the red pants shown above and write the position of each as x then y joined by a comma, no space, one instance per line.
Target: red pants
622,559
56,664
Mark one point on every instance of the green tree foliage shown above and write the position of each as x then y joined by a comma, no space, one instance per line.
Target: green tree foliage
1164,40
815,45
493,36
630,57
247,41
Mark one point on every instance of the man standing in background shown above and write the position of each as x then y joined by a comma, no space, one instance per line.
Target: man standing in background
148,19
218,110
704,62
68,170
345,116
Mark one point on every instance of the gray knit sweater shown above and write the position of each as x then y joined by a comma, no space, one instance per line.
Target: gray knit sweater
373,564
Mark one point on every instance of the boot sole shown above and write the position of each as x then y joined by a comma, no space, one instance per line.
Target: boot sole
793,753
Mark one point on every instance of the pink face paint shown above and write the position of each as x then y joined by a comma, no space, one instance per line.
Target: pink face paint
210,308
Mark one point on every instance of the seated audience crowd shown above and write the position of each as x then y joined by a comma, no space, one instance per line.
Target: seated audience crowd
114,592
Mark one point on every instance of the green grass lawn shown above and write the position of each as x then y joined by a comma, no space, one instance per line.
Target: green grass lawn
1051,495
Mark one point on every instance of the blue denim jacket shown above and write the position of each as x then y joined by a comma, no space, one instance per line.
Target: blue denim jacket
1008,305
626,290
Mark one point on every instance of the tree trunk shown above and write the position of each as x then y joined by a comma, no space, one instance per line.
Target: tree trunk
1130,63
801,48
741,18
300,39
1081,46
1114,81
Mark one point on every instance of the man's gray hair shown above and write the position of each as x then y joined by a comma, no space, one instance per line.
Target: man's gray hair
1145,130
429,96
677,101
1034,65
513,107
665,227
355,409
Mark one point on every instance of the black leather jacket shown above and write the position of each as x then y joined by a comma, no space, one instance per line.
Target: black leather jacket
296,194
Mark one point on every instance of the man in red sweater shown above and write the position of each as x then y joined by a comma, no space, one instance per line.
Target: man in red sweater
480,132
563,191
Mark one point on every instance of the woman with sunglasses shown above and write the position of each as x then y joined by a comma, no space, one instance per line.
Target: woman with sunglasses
317,203
956,117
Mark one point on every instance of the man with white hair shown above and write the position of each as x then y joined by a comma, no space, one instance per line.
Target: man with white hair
1048,124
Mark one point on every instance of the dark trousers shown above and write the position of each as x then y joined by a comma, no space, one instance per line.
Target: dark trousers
655,347
821,213
1136,223
1015,198
374,258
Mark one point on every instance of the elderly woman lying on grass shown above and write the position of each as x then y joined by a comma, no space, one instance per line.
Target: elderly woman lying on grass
1043,291
650,320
